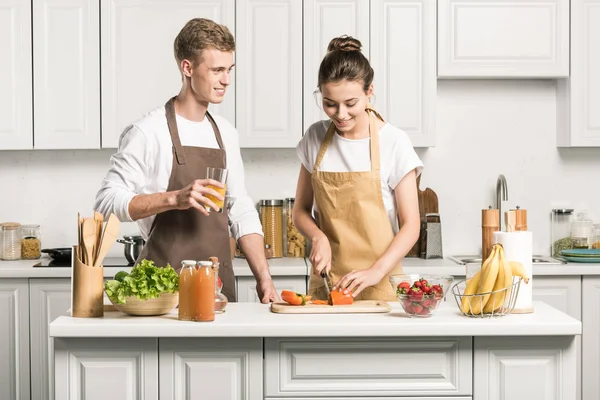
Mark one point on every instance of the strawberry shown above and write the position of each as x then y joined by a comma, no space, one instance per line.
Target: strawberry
404,285
424,311
426,289
409,309
417,308
426,302
424,281
417,284
416,295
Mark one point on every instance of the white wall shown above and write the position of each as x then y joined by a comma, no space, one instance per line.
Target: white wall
485,128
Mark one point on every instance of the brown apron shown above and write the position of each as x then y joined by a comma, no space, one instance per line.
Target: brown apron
178,235
352,216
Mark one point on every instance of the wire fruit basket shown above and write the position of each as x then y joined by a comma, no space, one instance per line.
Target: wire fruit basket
505,307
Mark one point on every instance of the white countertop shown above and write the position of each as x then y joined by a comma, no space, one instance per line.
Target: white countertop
288,267
256,320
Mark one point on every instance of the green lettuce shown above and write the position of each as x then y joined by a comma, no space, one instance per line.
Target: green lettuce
145,281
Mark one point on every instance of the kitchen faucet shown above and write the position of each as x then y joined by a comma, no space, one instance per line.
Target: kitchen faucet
501,194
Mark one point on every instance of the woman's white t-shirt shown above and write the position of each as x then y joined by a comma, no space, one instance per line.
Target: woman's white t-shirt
397,158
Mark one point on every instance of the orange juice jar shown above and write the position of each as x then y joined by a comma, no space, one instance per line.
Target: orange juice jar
205,295
187,290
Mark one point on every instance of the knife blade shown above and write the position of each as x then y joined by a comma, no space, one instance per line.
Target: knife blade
324,276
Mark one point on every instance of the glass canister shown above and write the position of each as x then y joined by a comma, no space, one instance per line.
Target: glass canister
196,291
31,242
582,230
10,241
271,218
561,230
295,241
596,241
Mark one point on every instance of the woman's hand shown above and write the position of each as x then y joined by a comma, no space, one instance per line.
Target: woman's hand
356,281
320,255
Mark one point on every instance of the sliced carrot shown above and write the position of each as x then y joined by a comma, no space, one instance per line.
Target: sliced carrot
320,302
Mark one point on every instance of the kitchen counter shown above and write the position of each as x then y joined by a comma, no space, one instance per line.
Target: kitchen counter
256,320
288,267
254,354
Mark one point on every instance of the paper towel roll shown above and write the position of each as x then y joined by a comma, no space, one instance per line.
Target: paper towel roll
518,246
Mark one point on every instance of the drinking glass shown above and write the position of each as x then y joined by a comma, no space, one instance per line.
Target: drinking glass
218,174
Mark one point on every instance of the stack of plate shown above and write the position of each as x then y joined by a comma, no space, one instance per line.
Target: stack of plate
581,255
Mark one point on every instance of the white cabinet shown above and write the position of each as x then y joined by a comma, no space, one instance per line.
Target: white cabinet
325,20
16,122
578,98
14,339
561,292
66,50
403,56
139,71
503,38
524,368
591,338
246,286
225,369
348,367
269,72
49,299
106,368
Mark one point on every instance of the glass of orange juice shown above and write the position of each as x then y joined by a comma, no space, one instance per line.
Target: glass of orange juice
218,174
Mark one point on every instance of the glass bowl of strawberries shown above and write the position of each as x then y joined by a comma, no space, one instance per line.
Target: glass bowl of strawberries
420,295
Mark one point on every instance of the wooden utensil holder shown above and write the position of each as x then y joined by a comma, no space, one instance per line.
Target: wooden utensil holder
87,289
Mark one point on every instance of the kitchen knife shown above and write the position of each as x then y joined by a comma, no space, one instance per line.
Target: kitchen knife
324,276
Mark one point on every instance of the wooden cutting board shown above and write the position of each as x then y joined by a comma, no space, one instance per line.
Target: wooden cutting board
358,307
428,204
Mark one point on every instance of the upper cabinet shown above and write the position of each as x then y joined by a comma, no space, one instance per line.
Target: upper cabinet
578,98
16,122
328,19
269,72
403,55
66,74
503,38
139,71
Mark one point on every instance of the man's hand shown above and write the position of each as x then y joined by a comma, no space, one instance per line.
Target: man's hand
194,195
266,291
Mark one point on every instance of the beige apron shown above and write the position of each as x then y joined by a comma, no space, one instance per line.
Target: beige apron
178,235
352,216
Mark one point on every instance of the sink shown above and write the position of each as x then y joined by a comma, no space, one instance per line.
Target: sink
538,260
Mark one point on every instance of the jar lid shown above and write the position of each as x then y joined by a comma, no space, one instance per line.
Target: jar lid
271,202
135,238
290,199
188,262
9,226
562,211
30,226
205,263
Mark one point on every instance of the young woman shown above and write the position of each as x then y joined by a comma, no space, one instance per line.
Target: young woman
359,175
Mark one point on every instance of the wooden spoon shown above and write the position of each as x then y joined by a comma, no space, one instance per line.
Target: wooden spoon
99,218
111,231
89,239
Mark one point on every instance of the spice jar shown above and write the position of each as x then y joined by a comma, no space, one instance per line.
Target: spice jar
295,241
271,218
196,291
561,230
10,241
31,243
582,230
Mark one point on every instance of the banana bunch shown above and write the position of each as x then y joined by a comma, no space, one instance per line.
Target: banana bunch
495,274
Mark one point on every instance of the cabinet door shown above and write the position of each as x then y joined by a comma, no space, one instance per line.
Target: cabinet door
16,122
561,292
49,299
524,368
591,338
403,54
578,98
503,38
106,368
209,368
246,286
66,49
139,71
14,339
328,19
269,73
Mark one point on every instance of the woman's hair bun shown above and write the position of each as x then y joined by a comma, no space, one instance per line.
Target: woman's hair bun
344,43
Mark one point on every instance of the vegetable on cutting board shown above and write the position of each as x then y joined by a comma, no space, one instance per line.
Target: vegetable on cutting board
293,298
339,298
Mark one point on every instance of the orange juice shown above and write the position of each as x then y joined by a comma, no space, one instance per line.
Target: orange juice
197,292
218,203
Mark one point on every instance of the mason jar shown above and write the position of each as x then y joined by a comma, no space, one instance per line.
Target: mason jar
31,242
10,241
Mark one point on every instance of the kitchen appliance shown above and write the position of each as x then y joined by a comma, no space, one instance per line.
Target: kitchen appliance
133,247
431,245
358,307
428,204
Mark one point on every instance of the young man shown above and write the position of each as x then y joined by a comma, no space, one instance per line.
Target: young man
157,177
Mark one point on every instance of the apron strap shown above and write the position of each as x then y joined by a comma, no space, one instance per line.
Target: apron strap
172,124
215,130
374,143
